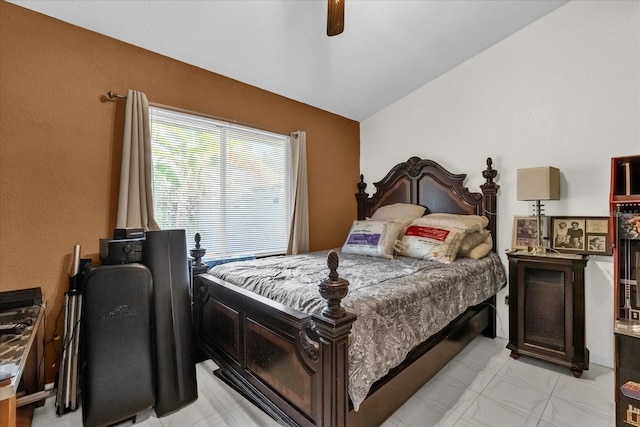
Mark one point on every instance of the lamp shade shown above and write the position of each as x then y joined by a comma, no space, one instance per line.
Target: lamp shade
541,183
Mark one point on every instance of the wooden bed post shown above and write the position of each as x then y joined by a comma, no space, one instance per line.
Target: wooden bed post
361,198
334,327
490,210
489,204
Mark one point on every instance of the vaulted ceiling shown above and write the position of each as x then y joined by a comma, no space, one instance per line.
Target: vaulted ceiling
388,49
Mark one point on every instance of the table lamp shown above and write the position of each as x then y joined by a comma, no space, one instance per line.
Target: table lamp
536,184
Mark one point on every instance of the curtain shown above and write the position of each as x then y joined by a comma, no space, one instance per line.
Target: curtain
299,230
135,202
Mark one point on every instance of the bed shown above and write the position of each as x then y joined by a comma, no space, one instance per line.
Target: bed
305,357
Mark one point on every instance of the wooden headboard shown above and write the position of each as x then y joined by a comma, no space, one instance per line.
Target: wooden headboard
424,182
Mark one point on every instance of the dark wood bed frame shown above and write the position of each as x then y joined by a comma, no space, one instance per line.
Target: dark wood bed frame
294,365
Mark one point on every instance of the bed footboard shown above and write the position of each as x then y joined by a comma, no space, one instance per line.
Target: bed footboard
292,365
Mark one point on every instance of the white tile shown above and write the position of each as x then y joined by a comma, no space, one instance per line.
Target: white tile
531,372
455,413
228,398
497,346
70,419
511,396
225,421
464,376
447,399
390,423
206,378
415,412
463,423
208,364
46,414
486,412
149,422
597,397
562,413
251,416
596,377
517,395
443,395
203,408
483,359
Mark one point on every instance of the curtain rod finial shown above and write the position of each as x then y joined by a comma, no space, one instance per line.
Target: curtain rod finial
112,95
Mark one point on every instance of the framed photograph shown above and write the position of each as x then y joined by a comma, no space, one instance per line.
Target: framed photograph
629,225
525,233
584,235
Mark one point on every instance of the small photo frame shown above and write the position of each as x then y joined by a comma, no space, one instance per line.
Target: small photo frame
584,235
525,231
629,225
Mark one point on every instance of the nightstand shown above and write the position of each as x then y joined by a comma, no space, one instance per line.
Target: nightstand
547,308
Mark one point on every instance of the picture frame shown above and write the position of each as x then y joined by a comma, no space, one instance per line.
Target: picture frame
580,235
628,224
525,233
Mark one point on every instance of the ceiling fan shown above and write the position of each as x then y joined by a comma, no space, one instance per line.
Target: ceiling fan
335,17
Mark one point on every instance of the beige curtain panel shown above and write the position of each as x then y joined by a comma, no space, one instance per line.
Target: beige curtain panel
135,202
299,230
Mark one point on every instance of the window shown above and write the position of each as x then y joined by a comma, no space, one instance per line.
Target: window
227,182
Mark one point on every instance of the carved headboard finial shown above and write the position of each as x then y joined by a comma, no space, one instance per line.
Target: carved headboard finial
489,173
197,253
362,197
362,185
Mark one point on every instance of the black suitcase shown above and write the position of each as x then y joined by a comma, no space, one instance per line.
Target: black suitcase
116,344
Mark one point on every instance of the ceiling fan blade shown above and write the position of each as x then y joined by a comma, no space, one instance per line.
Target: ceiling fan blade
335,17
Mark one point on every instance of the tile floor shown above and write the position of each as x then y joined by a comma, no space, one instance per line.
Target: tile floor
482,386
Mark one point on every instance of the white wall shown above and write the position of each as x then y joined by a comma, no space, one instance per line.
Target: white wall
563,92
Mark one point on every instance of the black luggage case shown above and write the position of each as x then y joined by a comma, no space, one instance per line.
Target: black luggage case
117,358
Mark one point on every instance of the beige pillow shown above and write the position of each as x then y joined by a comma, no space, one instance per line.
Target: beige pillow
372,238
432,243
471,240
398,212
468,223
481,250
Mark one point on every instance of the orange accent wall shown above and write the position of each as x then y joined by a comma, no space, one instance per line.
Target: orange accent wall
61,138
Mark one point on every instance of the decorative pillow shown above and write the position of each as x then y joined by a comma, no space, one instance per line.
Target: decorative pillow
398,212
481,250
468,223
471,240
372,238
432,243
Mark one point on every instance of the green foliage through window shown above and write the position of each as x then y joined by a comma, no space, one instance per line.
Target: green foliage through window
227,182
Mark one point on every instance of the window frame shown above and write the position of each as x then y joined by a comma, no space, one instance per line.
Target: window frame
257,140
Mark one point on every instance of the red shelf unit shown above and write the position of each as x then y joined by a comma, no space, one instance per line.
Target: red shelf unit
624,204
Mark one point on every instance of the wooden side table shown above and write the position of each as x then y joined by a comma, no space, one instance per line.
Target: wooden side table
547,308
21,355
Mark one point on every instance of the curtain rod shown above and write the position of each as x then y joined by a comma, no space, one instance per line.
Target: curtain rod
113,95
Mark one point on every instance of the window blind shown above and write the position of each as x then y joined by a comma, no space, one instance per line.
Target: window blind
229,183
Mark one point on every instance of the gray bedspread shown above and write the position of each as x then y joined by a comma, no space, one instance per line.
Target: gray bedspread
399,302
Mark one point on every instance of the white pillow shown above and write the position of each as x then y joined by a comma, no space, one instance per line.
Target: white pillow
432,243
468,223
471,240
372,238
481,250
398,212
